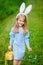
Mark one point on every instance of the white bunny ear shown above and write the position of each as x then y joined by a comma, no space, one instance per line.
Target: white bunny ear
22,7
28,9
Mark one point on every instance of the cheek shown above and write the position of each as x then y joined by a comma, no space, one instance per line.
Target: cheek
18,22
23,23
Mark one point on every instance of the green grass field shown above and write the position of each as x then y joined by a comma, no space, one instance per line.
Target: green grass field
35,26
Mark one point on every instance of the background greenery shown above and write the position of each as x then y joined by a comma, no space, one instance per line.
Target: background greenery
8,12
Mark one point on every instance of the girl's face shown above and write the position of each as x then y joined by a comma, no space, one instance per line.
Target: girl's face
21,21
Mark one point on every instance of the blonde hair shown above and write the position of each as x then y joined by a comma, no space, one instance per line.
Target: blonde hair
16,27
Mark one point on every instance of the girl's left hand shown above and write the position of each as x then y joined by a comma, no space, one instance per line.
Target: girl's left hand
29,49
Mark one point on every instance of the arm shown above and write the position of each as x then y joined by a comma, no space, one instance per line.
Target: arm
27,37
12,35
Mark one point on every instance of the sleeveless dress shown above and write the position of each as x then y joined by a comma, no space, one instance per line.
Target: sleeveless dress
19,41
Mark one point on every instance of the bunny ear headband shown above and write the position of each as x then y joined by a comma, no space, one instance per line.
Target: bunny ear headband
23,10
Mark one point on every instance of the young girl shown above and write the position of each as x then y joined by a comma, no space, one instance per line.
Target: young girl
19,38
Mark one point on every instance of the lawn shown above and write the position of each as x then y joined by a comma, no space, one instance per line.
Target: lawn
35,27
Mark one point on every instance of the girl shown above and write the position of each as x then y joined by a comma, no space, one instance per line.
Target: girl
19,38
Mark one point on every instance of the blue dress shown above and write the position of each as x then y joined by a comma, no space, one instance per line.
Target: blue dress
19,41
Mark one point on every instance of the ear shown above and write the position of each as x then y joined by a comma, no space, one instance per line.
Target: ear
28,9
22,7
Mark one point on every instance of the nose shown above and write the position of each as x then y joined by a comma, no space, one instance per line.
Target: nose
22,22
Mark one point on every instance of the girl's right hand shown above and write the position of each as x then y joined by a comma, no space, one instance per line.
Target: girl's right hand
10,47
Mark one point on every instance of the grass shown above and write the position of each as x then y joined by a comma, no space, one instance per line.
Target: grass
35,26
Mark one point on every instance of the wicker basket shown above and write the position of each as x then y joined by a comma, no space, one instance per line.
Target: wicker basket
8,56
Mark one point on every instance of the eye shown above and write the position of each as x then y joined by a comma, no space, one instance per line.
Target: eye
19,20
